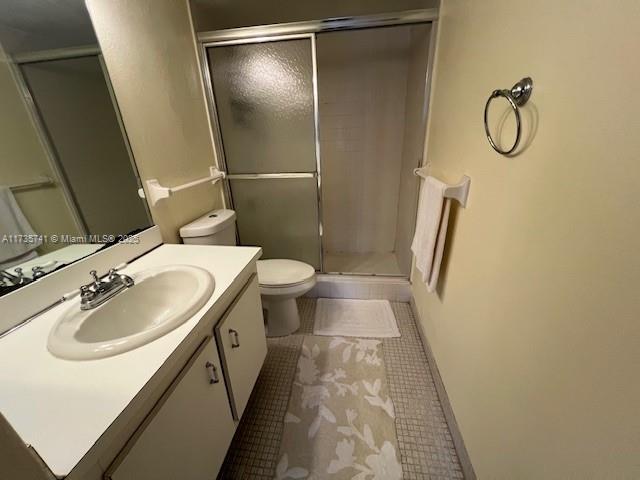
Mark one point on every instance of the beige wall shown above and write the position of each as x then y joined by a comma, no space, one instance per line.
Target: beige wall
22,158
362,80
536,323
150,53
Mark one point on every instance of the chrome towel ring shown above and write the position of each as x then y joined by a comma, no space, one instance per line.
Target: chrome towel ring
517,97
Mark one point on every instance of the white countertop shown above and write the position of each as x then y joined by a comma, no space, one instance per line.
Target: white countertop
61,407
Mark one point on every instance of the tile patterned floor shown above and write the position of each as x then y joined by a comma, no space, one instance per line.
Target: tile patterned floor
424,440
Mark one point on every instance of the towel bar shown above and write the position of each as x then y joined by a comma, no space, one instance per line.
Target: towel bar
157,192
459,191
39,182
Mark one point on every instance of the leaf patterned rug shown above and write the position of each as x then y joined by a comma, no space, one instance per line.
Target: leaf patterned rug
340,422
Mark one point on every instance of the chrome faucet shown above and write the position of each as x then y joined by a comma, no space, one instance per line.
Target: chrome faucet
103,288
15,279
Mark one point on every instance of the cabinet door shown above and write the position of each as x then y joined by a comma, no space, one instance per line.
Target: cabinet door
188,432
243,345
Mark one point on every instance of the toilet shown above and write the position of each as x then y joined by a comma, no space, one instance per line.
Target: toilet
281,280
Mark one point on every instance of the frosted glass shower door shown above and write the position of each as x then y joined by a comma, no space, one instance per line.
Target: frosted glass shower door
266,111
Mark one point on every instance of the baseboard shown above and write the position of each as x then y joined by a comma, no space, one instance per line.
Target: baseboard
456,435
395,289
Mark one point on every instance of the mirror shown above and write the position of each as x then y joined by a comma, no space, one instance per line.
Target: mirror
68,181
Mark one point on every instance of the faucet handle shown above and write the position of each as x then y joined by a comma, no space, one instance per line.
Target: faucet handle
96,279
37,272
84,291
114,270
20,275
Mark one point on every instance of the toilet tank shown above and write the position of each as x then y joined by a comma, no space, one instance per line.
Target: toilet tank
215,228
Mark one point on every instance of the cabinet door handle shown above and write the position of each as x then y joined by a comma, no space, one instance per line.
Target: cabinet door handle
213,373
235,338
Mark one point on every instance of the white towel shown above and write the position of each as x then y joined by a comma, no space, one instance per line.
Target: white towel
13,222
431,230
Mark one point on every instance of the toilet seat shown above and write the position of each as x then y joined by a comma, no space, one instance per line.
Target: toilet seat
289,291
283,273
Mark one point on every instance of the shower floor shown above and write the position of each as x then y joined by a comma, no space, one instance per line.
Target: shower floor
378,263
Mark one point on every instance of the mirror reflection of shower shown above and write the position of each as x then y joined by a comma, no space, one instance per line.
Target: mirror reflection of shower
67,174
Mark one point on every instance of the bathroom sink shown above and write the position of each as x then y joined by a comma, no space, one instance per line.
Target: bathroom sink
161,299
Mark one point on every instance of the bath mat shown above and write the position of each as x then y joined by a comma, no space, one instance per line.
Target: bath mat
340,421
355,318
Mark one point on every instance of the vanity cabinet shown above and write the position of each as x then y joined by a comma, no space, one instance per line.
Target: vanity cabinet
242,344
187,433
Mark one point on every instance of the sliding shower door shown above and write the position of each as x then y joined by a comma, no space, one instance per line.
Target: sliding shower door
266,110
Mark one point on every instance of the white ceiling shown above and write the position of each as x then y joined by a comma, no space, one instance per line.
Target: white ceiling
30,25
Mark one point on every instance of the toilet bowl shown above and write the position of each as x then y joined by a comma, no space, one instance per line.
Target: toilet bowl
281,282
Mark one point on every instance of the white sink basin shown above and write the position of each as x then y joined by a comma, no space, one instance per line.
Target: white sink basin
162,299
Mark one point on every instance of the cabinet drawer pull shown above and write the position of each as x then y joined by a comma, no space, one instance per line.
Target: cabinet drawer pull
213,373
235,338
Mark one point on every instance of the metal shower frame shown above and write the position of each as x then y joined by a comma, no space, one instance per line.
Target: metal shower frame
305,30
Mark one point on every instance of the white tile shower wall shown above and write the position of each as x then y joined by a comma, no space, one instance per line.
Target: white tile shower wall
361,287
362,79
413,142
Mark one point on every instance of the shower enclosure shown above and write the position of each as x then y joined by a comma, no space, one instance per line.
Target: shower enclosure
319,131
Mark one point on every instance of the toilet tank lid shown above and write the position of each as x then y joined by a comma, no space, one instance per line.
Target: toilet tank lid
208,224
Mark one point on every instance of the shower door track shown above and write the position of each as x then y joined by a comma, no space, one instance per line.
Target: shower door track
326,25
299,30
